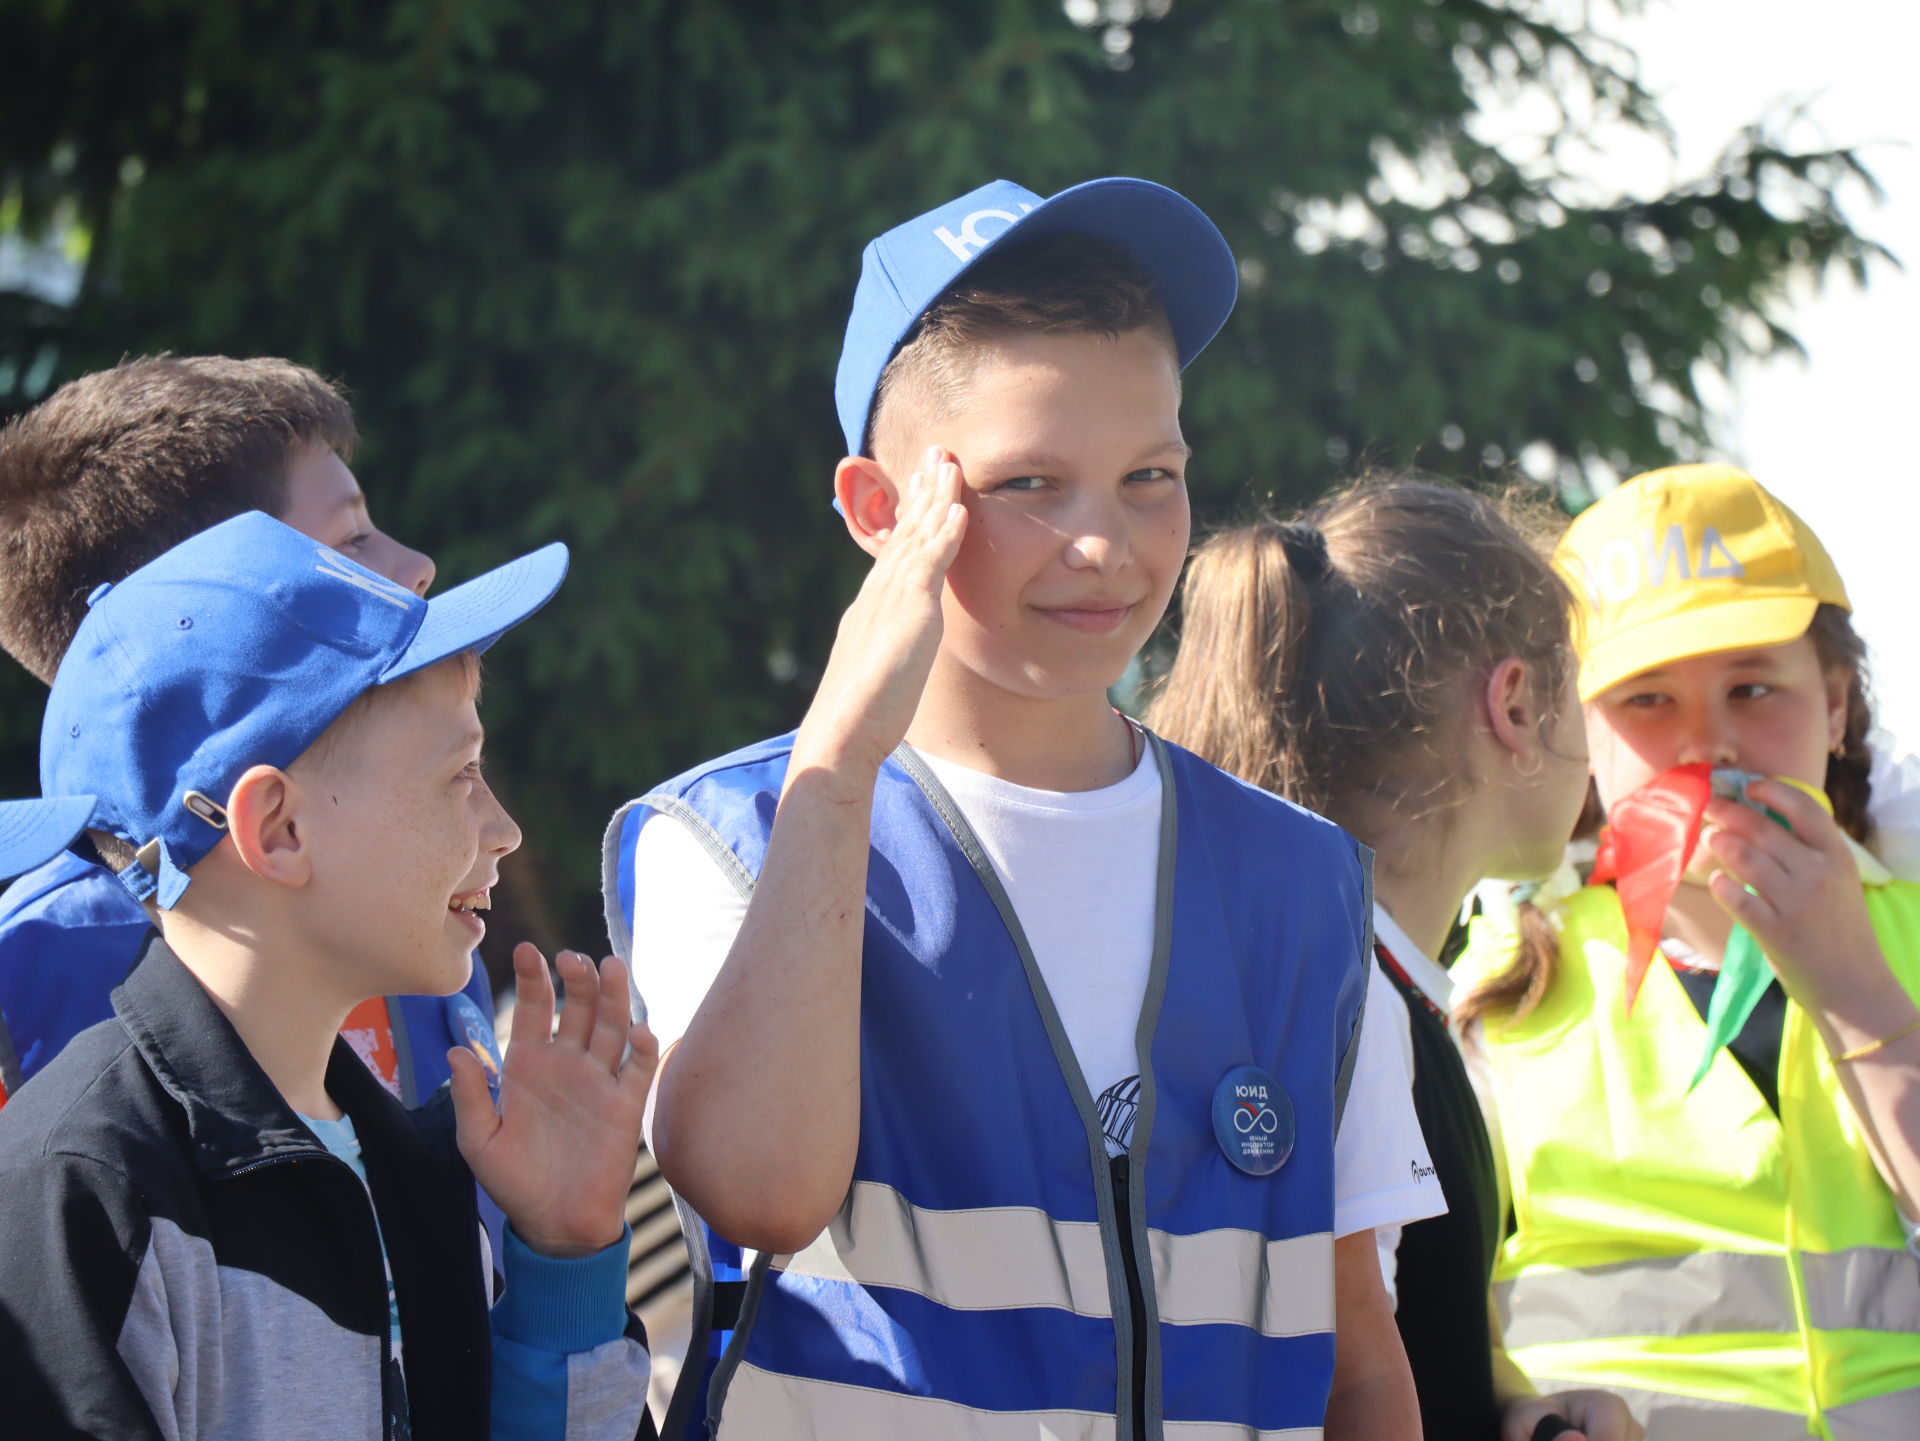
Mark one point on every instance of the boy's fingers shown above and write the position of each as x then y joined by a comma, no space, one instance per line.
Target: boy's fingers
474,1117
953,530
939,540
643,1059
532,993
612,1016
577,1008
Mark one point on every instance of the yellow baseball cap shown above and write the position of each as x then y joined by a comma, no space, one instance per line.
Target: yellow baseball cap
1685,561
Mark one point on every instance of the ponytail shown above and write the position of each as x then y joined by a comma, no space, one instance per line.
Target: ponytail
1248,608
1326,658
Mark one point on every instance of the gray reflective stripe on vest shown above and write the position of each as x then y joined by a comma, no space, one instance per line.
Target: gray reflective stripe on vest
976,1260
1693,1418
1894,1416
764,1404
1867,1288
1282,1288
1016,1256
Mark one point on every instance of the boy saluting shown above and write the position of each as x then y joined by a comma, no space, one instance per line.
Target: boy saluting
1013,1040
218,1222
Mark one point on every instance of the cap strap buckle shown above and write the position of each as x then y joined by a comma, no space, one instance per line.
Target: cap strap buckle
205,807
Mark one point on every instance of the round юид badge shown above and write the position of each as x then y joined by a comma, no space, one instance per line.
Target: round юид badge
1253,1120
472,1030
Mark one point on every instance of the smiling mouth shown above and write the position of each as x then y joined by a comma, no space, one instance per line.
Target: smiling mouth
478,900
1089,617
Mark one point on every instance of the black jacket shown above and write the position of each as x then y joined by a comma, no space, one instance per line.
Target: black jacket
179,1256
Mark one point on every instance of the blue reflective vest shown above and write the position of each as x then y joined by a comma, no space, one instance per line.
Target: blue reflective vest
992,1271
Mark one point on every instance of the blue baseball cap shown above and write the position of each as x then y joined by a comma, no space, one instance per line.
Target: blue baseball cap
236,648
905,270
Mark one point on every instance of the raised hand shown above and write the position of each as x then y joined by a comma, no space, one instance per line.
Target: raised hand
887,639
557,1153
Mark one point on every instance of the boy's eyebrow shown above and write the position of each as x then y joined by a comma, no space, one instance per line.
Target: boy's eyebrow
1035,461
1175,445
474,738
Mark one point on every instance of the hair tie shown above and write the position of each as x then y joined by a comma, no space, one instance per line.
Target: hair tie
1306,550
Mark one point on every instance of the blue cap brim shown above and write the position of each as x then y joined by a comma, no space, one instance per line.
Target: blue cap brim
1193,269
475,615
34,832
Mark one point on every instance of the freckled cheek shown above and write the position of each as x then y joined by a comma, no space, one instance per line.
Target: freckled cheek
986,578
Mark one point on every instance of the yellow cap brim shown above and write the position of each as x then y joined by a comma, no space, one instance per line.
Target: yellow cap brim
1731,625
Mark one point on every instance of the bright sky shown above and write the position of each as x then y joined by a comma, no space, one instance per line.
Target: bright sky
1829,436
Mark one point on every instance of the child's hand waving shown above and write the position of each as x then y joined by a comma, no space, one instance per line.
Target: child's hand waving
557,1154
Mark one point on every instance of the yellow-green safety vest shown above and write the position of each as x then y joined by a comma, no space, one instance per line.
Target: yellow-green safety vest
1736,1276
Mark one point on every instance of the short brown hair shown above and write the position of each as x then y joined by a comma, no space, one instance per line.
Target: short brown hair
1324,658
1063,285
115,468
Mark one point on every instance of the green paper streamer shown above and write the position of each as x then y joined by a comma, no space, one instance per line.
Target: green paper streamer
1744,971
1744,978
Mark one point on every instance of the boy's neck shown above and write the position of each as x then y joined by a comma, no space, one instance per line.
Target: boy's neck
1071,743
285,1024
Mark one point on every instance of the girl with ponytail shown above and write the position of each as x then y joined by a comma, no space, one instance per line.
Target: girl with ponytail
1398,659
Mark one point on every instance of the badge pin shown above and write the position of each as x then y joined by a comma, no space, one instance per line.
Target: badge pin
474,1031
1253,1120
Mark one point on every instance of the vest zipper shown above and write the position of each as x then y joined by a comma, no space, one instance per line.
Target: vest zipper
1119,1177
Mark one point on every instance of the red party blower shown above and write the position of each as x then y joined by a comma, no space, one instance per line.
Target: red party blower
1644,850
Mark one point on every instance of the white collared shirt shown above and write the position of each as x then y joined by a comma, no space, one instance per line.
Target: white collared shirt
1437,986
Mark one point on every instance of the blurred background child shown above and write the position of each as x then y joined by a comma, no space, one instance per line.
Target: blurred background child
1733,1256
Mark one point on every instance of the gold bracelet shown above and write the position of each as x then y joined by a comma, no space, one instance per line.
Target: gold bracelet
1859,1052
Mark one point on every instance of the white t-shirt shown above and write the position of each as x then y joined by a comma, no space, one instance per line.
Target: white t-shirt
1080,868
1437,985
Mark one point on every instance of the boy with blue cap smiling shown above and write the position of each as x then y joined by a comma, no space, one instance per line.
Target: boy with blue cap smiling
218,1223
1012,1041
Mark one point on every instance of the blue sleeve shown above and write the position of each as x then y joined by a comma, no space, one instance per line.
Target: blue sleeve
570,1361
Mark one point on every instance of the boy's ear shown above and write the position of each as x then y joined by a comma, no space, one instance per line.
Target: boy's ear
266,828
868,498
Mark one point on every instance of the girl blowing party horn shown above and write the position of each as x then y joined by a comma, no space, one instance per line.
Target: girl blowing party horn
1721,1234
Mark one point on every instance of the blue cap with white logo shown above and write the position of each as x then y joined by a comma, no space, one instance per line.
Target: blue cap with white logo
236,648
905,270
